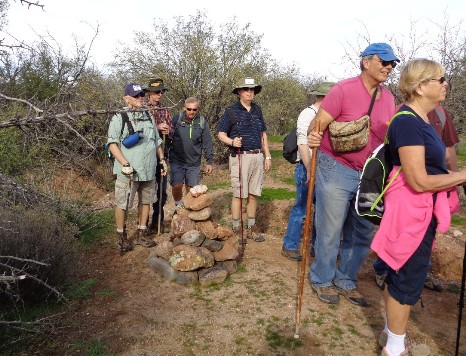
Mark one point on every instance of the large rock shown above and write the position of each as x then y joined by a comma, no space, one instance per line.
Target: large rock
212,245
163,249
214,275
187,277
199,215
162,267
230,265
230,250
207,228
189,258
182,224
193,238
222,232
197,203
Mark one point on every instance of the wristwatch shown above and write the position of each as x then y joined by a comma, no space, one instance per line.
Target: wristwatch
268,157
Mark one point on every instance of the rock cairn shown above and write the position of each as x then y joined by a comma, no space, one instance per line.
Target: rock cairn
197,249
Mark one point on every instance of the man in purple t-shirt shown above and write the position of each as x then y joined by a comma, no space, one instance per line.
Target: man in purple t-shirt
338,175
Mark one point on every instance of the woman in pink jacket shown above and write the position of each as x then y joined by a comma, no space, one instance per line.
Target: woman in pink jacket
406,248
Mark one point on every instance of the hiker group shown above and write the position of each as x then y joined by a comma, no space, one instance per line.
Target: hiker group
346,123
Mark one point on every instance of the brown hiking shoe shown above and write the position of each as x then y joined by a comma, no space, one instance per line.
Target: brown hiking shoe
353,296
254,234
124,245
293,255
140,237
326,294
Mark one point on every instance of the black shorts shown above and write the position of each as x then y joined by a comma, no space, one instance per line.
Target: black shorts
406,284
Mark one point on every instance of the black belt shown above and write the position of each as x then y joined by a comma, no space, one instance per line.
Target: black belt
233,154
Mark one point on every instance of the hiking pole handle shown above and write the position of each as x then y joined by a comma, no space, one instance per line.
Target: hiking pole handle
308,222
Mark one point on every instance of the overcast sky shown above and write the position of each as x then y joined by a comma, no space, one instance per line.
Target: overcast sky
313,35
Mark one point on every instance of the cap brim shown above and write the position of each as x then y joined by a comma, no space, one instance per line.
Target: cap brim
156,89
388,57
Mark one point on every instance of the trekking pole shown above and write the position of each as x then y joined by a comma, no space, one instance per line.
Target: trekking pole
306,232
461,304
123,249
238,153
159,218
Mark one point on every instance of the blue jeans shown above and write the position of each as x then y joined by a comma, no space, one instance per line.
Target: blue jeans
155,215
298,211
336,186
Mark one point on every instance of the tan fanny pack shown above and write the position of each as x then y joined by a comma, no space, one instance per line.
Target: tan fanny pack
350,136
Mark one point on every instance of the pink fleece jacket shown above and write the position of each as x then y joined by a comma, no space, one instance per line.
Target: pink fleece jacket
406,218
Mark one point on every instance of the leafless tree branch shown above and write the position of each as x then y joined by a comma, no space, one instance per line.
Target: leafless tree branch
29,4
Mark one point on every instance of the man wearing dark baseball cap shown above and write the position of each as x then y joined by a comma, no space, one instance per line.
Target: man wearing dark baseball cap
135,145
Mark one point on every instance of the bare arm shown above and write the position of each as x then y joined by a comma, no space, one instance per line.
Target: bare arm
413,162
325,119
452,160
265,148
223,137
116,152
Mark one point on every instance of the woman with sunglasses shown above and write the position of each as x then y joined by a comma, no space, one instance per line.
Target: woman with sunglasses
416,203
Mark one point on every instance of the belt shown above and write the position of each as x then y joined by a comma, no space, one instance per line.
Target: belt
248,152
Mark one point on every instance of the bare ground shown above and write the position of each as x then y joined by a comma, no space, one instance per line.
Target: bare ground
134,311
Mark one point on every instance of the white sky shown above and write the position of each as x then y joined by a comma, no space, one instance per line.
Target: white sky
313,35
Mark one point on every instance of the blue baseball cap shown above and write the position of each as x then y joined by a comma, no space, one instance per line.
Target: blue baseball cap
133,89
382,50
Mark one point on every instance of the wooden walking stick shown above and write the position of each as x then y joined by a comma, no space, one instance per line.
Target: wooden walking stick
159,218
306,232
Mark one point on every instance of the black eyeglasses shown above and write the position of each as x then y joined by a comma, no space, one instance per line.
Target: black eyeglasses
387,63
441,80
189,109
140,95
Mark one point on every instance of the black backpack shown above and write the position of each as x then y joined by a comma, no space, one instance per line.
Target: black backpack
369,202
290,145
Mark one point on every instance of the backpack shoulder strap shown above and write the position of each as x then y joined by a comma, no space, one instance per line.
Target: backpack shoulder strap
125,121
405,112
441,114
233,119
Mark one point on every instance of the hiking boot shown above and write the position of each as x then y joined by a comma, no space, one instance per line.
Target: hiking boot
124,245
254,234
293,255
432,284
380,280
353,296
383,339
411,349
140,238
326,294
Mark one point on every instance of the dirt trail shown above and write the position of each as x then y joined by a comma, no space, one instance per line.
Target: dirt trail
133,311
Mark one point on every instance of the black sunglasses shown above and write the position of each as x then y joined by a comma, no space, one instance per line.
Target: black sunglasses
140,95
387,63
189,109
441,80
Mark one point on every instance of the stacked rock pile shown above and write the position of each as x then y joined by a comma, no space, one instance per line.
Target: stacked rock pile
197,249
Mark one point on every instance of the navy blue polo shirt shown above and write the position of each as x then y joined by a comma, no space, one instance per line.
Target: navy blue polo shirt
249,125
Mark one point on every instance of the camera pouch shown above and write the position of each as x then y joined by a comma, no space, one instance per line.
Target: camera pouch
131,140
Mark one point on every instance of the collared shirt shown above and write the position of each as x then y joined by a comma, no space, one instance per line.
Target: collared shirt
142,156
160,114
249,125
